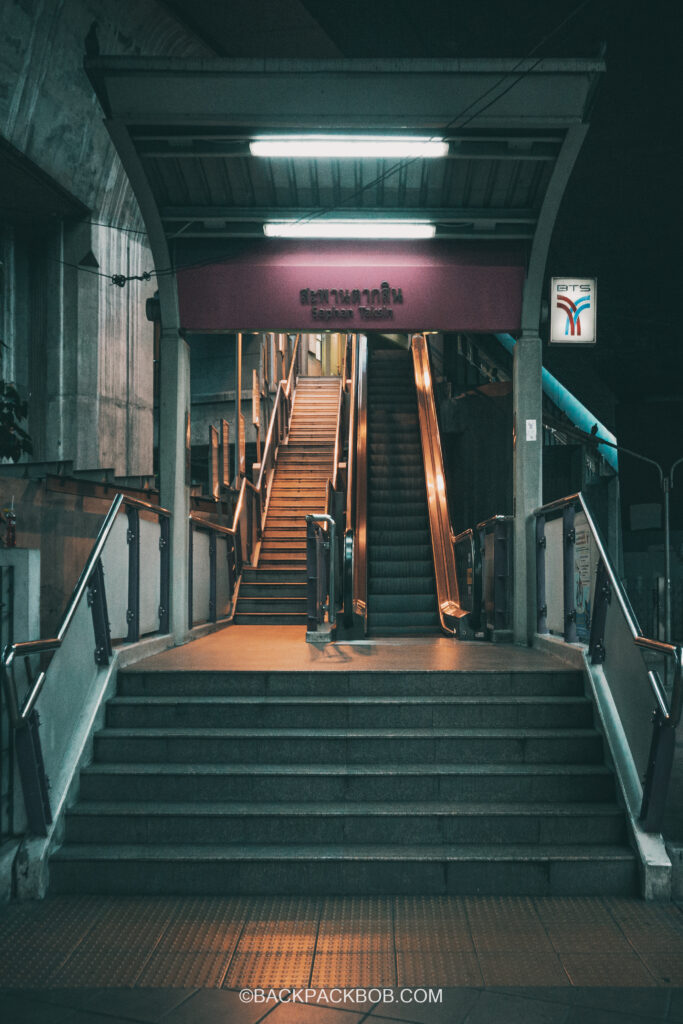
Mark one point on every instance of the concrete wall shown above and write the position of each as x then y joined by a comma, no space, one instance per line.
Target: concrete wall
80,348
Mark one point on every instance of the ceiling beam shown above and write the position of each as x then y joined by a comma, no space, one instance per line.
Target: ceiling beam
444,215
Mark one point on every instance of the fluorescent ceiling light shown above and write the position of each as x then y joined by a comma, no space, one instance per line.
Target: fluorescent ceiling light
349,229
340,147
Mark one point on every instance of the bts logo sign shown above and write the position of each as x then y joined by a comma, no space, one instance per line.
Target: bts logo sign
573,302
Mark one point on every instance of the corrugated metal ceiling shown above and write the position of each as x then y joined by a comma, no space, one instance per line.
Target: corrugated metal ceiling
487,187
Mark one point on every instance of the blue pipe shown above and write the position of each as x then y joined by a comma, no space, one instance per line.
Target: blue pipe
577,412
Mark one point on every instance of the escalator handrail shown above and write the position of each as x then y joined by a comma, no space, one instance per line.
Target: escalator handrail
360,483
450,610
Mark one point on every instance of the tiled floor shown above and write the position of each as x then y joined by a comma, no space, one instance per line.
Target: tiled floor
253,649
77,960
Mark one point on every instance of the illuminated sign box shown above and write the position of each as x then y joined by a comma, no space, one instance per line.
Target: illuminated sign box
573,309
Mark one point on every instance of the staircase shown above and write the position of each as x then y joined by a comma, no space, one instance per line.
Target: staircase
401,587
275,591
345,782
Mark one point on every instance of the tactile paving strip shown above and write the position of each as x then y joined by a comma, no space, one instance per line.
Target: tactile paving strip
667,968
204,925
288,908
184,970
617,970
357,969
527,968
440,968
649,927
506,924
350,925
29,967
57,923
376,910
424,924
280,925
90,967
581,925
265,970
131,924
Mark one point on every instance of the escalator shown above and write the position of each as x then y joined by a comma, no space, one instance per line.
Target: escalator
401,588
400,573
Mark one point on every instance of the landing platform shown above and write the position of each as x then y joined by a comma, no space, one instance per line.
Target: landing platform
274,648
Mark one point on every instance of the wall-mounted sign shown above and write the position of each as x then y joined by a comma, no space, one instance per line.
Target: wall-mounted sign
349,303
319,286
573,308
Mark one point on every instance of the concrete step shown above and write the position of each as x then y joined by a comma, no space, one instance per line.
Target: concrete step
361,823
260,575
370,683
273,546
254,588
348,712
348,746
269,618
417,783
270,604
523,869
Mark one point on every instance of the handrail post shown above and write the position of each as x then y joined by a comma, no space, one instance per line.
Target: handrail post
603,596
541,598
212,576
311,576
483,617
133,610
97,600
658,774
568,572
164,573
190,574
321,581
501,574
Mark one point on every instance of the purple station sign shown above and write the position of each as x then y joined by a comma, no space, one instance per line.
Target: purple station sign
312,286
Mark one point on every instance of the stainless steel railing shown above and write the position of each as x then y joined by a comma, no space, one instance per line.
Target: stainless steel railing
615,641
131,616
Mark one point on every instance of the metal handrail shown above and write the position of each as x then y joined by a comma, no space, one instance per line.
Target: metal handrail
360,567
290,375
351,458
26,648
617,585
451,612
337,435
494,519
206,524
667,714
280,396
671,709
328,521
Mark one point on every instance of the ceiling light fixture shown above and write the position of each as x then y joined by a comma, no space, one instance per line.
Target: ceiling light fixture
349,229
341,147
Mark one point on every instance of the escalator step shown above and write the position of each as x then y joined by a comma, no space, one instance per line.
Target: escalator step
399,522
409,619
402,570
381,554
397,585
406,604
407,538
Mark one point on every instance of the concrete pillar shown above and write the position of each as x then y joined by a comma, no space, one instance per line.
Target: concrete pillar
527,478
174,476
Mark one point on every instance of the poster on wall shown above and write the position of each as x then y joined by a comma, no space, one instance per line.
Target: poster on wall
585,567
573,307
